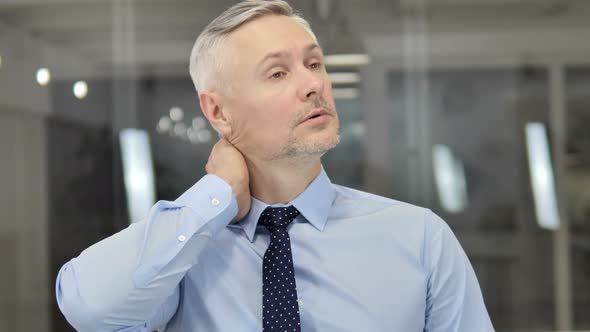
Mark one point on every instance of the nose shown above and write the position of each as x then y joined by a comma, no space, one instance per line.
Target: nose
312,84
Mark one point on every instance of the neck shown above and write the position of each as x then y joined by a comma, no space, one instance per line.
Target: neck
279,182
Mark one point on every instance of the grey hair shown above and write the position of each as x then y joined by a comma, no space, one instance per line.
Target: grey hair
206,59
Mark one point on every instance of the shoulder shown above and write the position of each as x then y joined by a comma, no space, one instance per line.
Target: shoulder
408,224
357,202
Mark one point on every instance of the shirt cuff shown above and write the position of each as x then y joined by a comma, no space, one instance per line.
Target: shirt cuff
212,199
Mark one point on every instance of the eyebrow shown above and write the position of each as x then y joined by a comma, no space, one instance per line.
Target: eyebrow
281,54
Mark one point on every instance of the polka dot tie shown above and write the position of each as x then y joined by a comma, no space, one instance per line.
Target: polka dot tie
280,309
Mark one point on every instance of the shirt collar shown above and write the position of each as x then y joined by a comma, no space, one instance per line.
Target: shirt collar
314,203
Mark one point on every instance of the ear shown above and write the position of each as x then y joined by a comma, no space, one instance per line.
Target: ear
213,110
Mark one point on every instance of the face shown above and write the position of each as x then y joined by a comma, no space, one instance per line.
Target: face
279,103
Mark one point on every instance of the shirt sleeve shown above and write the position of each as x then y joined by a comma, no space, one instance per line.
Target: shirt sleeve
130,281
454,302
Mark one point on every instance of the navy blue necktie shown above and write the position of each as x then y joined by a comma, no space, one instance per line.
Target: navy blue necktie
280,309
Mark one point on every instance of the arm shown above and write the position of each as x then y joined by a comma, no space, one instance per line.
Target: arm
454,302
129,281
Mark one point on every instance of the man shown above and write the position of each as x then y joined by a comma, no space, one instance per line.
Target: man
264,241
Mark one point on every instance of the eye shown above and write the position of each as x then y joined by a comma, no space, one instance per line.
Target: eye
316,65
277,75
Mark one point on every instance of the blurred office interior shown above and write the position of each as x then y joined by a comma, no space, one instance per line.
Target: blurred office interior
477,109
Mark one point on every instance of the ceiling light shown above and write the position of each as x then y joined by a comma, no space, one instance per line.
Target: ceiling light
80,89
199,122
344,78
164,125
43,76
176,113
180,130
345,93
192,134
346,60
204,136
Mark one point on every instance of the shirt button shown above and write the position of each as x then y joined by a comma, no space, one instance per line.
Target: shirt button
215,202
181,238
300,302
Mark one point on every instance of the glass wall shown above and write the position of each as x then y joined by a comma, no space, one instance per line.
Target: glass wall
448,104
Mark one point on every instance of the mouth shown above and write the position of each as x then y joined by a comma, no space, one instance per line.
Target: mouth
316,113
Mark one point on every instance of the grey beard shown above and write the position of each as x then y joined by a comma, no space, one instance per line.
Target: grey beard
297,150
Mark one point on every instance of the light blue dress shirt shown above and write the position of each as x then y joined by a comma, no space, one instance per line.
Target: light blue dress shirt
362,263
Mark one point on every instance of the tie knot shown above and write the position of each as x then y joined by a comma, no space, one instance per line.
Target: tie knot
278,216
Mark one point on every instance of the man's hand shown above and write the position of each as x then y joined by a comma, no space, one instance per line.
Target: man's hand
228,163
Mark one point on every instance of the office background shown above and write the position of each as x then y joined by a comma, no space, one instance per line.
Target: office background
478,109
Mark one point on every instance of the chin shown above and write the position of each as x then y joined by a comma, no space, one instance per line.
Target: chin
331,137
332,142
311,147
321,145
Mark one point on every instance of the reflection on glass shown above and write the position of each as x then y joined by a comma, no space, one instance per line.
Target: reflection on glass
541,173
138,174
449,175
